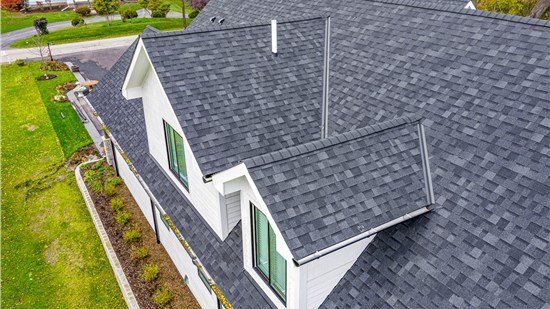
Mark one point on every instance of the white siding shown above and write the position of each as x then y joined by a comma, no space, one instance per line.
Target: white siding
324,273
139,194
168,239
233,208
157,108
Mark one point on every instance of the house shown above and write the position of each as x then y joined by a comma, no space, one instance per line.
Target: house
392,154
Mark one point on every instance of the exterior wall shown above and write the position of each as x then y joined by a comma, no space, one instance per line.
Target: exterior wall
323,274
177,253
233,209
157,108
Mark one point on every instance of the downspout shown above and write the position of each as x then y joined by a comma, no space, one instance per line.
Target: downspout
326,77
359,237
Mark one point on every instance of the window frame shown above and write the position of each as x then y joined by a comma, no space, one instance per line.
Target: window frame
265,278
202,276
166,125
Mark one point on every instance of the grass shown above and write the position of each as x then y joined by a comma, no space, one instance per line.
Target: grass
175,5
126,6
66,123
14,20
51,254
103,30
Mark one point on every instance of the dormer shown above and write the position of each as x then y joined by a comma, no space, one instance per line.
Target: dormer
310,210
198,125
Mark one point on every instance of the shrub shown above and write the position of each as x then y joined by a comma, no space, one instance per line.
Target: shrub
111,185
20,62
116,204
159,9
163,296
150,272
53,66
132,235
97,166
122,217
128,14
77,21
83,10
139,253
193,14
93,179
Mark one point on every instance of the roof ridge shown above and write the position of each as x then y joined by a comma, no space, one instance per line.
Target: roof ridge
445,7
315,145
215,27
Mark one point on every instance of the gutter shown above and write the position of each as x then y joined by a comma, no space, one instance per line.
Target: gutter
361,236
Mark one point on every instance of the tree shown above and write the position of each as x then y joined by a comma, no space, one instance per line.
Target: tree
159,8
41,27
106,8
540,8
197,5
183,14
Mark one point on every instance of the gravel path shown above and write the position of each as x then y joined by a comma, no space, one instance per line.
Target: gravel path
8,38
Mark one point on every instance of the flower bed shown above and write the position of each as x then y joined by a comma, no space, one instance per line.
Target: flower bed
154,278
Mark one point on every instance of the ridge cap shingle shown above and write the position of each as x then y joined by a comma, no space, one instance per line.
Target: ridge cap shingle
330,141
216,27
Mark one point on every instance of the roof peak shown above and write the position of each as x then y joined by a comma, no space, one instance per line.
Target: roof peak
308,147
217,27
445,7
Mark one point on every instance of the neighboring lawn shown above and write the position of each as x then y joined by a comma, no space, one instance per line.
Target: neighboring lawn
15,20
103,30
126,6
175,5
51,254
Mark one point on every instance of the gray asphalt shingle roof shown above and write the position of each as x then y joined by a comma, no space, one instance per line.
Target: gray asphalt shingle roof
126,122
327,191
234,98
481,82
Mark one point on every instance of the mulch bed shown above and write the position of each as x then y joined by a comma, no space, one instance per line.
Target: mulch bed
168,273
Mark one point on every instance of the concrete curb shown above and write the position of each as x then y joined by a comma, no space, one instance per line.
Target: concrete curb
125,288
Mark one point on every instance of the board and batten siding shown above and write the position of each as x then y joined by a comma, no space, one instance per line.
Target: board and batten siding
168,239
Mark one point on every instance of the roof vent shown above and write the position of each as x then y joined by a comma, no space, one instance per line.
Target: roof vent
212,19
274,36
221,21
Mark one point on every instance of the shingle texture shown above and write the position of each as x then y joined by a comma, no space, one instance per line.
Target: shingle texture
233,97
481,82
223,260
326,191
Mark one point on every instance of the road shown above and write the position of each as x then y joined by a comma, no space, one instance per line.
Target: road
63,50
13,36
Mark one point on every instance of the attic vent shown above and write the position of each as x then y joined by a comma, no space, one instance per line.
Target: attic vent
221,21
212,19
274,36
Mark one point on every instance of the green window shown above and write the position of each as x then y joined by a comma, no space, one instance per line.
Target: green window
270,264
176,154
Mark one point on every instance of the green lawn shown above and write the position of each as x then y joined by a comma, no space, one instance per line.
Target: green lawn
126,6
15,20
66,123
175,5
103,30
51,254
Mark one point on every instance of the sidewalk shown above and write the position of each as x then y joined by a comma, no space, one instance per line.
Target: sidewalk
11,55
